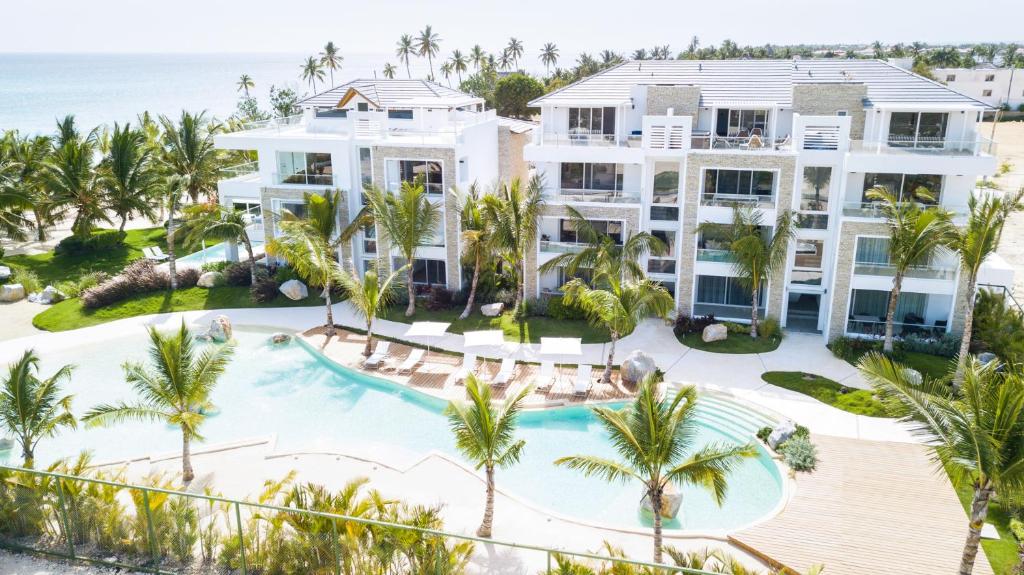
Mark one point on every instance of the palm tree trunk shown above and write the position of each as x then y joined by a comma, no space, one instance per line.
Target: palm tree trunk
753,314
890,314
330,312
171,269
40,226
979,510
27,453
520,289
430,60
410,310
407,71
252,258
472,288
369,338
187,475
124,220
965,339
607,376
485,527
655,497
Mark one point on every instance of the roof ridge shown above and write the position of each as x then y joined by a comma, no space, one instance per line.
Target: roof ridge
943,86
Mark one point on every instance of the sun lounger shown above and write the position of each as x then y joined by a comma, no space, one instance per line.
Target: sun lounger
154,253
583,377
410,363
504,375
546,376
468,366
379,355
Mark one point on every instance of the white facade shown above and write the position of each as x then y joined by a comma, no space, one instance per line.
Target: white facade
994,86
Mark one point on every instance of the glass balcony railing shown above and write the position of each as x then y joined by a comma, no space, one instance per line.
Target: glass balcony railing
581,138
303,179
867,325
548,246
923,272
926,146
714,255
727,200
740,143
874,209
271,124
598,196
239,170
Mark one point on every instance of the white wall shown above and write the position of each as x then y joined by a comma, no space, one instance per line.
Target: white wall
1007,86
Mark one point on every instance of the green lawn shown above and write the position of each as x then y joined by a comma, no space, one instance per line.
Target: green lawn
70,314
1002,552
735,343
532,329
859,401
932,366
52,268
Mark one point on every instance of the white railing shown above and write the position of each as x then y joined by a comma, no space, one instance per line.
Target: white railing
926,146
598,196
821,138
238,170
302,179
874,209
889,270
579,139
271,124
727,200
740,143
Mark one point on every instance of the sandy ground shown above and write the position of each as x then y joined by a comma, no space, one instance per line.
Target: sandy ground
19,564
17,319
1010,137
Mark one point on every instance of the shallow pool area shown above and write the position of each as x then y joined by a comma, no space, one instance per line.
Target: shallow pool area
311,404
217,253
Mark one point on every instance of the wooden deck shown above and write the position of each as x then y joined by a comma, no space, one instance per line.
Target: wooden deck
869,507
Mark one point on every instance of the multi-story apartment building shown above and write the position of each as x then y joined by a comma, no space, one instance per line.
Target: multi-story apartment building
380,133
994,86
662,146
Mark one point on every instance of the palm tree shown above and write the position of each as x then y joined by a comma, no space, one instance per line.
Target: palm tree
477,56
13,201
446,71
174,187
505,60
755,257
406,220
485,434
977,436
818,178
175,389
26,158
549,55
459,64
652,437
369,296
311,243
245,83
312,71
406,48
428,44
74,182
128,175
973,244
513,212
331,59
31,408
515,50
189,152
389,71
214,221
914,235
476,236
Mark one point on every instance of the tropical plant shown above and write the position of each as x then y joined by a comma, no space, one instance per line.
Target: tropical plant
505,60
73,179
549,55
214,221
331,59
174,389
459,64
997,327
13,201
513,211
23,183
245,83
369,296
283,101
973,244
485,434
653,436
446,71
476,237
515,51
173,189
513,93
428,44
32,409
405,50
312,71
189,151
389,71
915,233
477,56
976,435
128,175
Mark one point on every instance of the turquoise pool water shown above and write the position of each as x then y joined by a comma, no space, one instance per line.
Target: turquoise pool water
216,253
312,405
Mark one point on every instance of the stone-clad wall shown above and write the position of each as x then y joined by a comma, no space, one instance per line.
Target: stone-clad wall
451,211
783,164
684,100
843,276
826,98
267,195
511,163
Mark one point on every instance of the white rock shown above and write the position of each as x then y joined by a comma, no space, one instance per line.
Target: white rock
294,290
12,292
5,273
986,357
913,376
220,329
636,365
715,332
671,502
781,433
50,295
492,309
210,279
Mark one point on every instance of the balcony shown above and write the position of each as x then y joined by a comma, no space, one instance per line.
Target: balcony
586,139
241,171
302,179
728,200
740,143
874,210
875,327
548,246
714,255
887,270
908,145
274,124
594,196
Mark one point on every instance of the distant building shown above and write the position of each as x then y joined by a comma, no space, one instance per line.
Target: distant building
994,86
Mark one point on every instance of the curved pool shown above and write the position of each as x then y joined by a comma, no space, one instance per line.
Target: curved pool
311,404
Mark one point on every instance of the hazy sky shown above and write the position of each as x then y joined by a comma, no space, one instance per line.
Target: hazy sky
374,26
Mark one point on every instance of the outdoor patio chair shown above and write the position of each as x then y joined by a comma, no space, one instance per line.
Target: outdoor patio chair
505,374
583,379
546,376
154,253
468,366
379,355
415,358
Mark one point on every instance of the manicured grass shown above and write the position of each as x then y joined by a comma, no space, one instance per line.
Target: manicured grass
52,268
531,329
70,314
735,343
931,366
1002,552
859,401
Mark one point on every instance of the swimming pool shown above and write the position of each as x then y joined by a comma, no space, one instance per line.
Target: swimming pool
313,405
217,253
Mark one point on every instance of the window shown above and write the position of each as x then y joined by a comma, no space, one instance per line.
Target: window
842,113
591,121
814,193
365,167
567,230
742,185
951,77
412,170
807,265
426,272
664,264
868,310
721,290
990,77
306,168
905,186
363,107
986,93
664,214
741,122
917,129
576,176
666,183
370,239
399,114
874,251
252,209
331,113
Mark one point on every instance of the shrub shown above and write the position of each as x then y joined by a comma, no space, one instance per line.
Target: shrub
851,348
137,277
558,309
997,328
947,345
187,277
769,328
214,266
799,453
505,296
736,328
763,433
29,280
283,274
264,290
440,299
74,288
691,324
237,274
101,241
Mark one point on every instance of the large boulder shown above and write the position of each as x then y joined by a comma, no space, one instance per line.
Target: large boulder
5,273
211,279
294,290
220,329
49,295
715,332
492,309
12,292
636,365
912,375
781,433
986,357
671,502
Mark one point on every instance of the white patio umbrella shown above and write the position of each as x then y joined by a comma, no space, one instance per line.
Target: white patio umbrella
489,337
427,329
561,346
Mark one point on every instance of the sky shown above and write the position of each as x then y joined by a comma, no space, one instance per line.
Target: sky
575,26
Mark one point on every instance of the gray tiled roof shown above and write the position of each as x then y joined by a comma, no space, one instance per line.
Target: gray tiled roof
392,93
517,126
725,82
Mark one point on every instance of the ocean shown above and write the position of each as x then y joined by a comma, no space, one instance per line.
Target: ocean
37,89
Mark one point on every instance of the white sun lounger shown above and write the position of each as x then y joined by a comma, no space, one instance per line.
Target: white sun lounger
379,355
583,376
410,363
468,366
154,253
546,376
504,375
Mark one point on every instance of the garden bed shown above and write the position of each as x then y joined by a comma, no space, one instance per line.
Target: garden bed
857,401
734,343
531,329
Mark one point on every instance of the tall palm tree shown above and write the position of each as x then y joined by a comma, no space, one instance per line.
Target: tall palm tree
513,211
405,50
446,71
23,181
652,437
973,244
13,201
174,389
310,244
476,236
505,60
515,50
389,71
407,220
312,71
74,182
549,55
189,152
331,59
128,176
477,56
369,296
173,189
756,257
31,408
428,44
214,221
485,434
977,435
914,235
459,64
245,83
